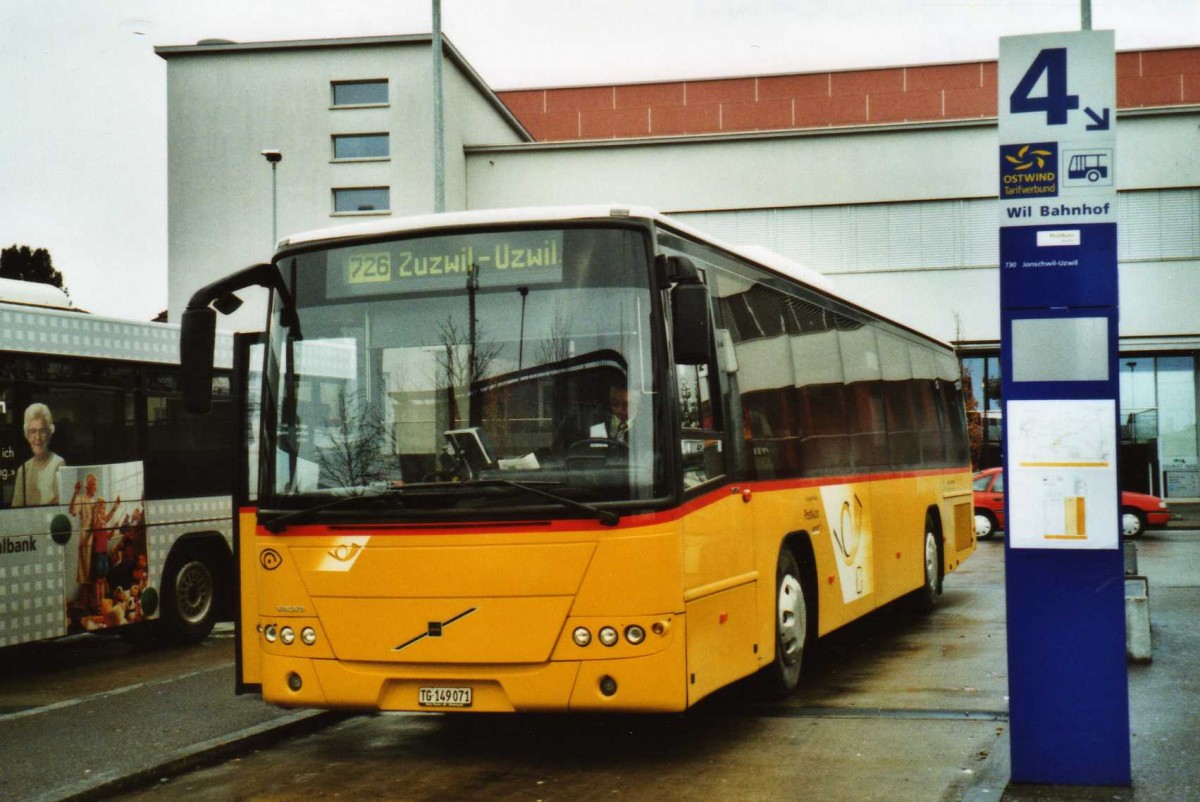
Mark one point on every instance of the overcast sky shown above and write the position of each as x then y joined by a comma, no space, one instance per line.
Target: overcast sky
83,97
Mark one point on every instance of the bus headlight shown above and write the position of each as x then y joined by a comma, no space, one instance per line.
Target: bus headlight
271,632
308,636
608,636
287,636
635,634
581,636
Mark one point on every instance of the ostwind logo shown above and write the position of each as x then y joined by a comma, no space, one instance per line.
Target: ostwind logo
1028,157
1029,169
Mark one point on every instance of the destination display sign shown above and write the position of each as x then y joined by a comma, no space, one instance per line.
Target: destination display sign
436,264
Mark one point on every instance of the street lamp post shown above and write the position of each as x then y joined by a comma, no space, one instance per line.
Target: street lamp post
521,345
274,157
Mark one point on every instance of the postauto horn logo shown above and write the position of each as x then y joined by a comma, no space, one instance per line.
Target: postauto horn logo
1029,171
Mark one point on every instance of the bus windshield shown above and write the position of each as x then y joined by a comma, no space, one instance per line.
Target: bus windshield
448,373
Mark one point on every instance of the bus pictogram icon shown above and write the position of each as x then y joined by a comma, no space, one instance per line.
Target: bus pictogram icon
1090,166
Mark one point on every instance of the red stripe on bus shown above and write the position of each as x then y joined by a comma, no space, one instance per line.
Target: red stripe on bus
630,521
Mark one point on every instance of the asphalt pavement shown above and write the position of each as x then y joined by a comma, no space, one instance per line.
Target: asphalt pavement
111,743
100,740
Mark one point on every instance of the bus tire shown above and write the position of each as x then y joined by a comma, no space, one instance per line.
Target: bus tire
931,567
189,595
793,631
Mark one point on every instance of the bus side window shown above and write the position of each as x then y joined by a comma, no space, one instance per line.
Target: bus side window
176,437
700,442
13,448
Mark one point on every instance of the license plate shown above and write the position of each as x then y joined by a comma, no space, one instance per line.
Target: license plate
444,697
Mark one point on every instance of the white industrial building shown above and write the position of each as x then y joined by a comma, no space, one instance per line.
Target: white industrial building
899,208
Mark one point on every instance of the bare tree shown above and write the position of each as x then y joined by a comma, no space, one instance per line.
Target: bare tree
557,346
459,365
360,448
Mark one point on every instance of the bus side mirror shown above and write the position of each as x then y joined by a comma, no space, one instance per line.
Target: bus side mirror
198,334
691,329
197,337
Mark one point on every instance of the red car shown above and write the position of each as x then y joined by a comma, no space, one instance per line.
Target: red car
1139,511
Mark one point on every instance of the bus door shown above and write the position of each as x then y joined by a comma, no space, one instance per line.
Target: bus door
248,353
720,587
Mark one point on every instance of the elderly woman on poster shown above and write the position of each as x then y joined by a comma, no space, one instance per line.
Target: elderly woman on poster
37,479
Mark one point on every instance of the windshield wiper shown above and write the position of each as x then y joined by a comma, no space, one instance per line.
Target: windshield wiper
606,517
278,524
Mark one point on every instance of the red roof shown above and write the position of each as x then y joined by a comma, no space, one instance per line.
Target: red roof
1148,78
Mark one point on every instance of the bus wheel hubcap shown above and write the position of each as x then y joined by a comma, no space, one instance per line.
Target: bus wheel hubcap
931,560
194,592
791,619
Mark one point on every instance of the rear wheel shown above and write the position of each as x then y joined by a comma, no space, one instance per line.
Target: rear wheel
931,560
189,596
1133,523
792,631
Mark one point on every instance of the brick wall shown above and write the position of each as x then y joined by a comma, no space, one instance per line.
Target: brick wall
815,100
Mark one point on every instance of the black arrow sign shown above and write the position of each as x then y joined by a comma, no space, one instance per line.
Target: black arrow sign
1100,122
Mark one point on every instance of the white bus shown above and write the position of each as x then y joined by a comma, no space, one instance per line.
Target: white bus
115,505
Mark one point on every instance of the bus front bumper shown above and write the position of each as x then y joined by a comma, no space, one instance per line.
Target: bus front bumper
652,683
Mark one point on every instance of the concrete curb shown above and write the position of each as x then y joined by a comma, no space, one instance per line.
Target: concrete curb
199,755
991,781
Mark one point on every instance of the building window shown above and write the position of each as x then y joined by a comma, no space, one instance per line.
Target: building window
361,146
1160,453
360,93
1160,405
361,199
981,388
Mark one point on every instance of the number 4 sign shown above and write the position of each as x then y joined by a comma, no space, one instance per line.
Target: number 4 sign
1049,64
1059,86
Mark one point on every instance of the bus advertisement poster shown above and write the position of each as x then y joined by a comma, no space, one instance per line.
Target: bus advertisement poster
106,564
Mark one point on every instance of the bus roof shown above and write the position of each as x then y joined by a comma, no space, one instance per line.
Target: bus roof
33,293
37,329
563,214
551,214
481,217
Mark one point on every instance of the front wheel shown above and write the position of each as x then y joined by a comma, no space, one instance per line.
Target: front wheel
1133,525
189,597
792,632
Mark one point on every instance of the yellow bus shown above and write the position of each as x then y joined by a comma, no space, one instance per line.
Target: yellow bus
573,459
